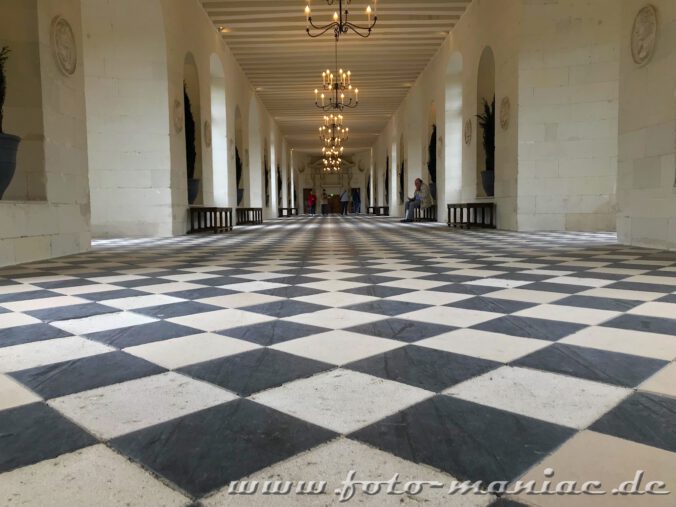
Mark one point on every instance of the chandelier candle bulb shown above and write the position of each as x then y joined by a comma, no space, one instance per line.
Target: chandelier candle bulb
368,13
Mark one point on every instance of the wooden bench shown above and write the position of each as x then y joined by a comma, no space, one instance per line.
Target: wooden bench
249,216
475,214
428,214
210,219
287,212
379,211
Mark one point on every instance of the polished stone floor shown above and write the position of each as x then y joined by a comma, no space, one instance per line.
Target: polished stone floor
157,372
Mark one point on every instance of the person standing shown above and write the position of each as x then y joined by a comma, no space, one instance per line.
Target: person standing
325,203
356,201
344,201
312,203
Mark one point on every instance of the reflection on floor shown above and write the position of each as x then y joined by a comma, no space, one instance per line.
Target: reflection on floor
155,372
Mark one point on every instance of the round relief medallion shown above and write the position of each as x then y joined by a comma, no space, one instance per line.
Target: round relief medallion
178,116
505,112
644,35
207,133
63,46
468,131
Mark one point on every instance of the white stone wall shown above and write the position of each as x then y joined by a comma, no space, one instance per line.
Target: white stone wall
647,154
60,224
568,114
127,117
135,73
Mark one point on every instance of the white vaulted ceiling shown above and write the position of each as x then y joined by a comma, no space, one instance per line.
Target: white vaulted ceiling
284,65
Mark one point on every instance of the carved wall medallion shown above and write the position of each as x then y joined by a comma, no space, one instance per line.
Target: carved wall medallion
207,133
505,112
64,47
644,35
179,120
468,131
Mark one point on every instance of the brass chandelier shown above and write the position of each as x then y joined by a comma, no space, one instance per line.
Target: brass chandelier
341,23
337,91
332,133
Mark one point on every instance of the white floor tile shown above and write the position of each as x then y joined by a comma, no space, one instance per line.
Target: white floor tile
31,355
221,319
91,476
338,347
103,322
335,399
484,344
178,352
559,399
129,406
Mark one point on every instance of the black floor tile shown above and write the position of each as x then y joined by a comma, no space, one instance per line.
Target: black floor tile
270,333
256,370
30,333
467,440
290,292
643,323
206,450
206,292
488,304
527,327
401,329
36,432
177,309
387,307
563,288
378,291
285,308
641,287
142,282
645,418
463,288
141,334
71,312
26,296
593,364
61,379
430,369
599,303
112,294
62,284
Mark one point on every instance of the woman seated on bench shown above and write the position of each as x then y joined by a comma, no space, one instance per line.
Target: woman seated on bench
422,198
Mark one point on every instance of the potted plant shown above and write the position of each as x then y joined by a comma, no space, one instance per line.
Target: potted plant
487,124
238,177
190,150
9,144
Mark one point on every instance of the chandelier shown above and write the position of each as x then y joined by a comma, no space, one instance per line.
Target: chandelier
332,151
340,23
337,87
332,133
332,164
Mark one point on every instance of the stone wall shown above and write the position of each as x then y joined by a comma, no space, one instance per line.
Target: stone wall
647,155
568,114
59,224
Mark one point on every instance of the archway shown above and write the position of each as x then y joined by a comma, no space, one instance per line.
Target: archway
485,145
216,187
192,129
453,116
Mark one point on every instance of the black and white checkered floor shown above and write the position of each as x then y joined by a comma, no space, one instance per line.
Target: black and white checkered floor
155,372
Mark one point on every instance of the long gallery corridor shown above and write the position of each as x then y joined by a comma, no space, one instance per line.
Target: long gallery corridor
157,372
